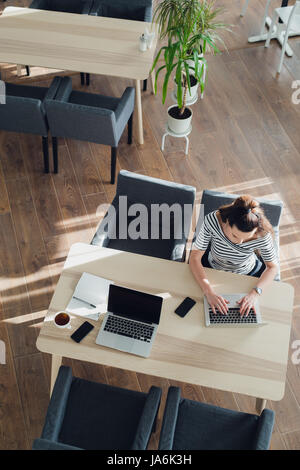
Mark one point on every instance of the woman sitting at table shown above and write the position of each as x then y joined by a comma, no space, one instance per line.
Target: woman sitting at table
234,233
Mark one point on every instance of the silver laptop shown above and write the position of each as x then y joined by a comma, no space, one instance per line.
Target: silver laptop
233,317
131,321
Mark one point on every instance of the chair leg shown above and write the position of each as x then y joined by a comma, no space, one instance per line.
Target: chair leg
267,43
283,49
55,154
113,164
82,78
87,79
130,129
46,154
145,85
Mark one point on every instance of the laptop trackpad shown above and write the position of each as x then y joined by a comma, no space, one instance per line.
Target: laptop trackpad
124,344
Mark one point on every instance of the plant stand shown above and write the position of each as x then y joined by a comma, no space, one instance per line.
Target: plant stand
173,134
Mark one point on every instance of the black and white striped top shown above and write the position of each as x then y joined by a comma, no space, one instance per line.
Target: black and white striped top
228,256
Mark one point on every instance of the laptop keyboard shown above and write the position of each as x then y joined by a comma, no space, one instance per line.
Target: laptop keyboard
233,316
129,328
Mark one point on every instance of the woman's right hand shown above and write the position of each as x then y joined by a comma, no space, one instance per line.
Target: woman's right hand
217,302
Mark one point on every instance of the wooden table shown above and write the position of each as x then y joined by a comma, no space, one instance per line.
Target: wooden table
81,43
251,361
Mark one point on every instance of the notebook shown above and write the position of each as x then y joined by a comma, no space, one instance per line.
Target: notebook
89,299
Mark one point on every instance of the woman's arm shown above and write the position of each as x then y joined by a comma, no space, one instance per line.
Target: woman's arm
247,302
215,301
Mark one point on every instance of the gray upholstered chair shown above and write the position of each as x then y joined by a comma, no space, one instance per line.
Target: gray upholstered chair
82,7
141,189
212,200
191,425
90,117
94,416
137,10
24,111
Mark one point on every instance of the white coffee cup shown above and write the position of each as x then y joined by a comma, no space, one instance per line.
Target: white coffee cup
62,319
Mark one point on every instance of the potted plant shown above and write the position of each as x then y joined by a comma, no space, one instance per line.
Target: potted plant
187,25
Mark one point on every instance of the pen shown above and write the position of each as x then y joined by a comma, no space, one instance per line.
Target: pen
91,305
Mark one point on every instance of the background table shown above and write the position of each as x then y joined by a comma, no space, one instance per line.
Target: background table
262,36
251,361
81,43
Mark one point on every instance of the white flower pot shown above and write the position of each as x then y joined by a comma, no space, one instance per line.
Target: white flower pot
190,95
179,126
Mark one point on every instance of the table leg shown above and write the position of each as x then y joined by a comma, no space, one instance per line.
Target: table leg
260,405
55,365
152,79
138,102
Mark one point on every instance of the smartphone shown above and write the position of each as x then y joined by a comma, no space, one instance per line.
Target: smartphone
185,307
82,331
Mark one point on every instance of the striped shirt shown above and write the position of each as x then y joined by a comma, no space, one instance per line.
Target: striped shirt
228,256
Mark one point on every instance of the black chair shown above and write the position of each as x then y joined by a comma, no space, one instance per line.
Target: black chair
212,200
141,189
81,7
136,10
90,117
94,416
24,111
191,425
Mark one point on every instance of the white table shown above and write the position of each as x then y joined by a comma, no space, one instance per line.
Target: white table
262,36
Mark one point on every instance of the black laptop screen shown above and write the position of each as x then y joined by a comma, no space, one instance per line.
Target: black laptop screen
134,304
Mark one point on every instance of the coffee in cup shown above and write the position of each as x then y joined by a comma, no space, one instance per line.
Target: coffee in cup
62,320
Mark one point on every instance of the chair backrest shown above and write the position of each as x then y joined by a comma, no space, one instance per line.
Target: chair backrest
69,6
212,200
147,190
81,122
22,113
137,10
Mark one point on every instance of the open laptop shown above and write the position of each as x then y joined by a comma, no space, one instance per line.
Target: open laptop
233,317
131,321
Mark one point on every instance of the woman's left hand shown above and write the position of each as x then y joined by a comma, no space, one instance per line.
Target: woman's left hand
247,302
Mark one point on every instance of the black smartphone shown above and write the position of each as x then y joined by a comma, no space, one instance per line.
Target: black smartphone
82,331
185,307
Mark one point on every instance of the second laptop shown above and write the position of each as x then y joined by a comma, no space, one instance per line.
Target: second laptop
131,321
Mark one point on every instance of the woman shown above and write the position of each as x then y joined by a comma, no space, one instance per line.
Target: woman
235,232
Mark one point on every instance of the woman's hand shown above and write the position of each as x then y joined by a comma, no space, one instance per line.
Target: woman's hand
247,302
217,301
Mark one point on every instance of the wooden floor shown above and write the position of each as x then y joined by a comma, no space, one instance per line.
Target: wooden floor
245,139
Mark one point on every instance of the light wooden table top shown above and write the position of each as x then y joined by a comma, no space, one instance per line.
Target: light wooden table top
251,361
80,43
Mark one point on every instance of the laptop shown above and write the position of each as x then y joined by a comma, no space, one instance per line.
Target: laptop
131,321
233,317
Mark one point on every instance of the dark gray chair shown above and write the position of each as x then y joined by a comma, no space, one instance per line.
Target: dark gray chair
212,200
82,7
137,10
191,425
24,111
94,416
90,117
141,189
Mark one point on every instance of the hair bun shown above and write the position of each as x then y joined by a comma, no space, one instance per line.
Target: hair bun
246,204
